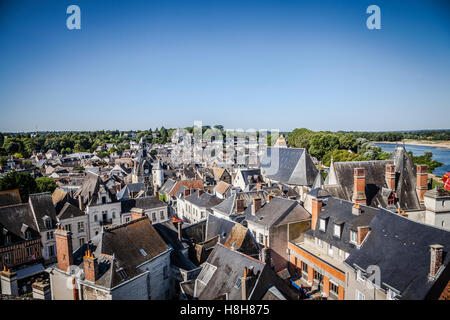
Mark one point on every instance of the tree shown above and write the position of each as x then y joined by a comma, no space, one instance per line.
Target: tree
322,143
45,184
2,139
19,180
13,145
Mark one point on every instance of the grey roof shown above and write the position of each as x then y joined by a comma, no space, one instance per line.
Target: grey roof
340,211
167,186
227,206
217,226
126,191
438,193
294,166
251,176
119,248
276,211
400,248
205,200
405,191
90,187
69,211
42,206
148,202
9,198
12,219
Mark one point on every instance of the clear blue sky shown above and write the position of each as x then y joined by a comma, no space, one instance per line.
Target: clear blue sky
242,64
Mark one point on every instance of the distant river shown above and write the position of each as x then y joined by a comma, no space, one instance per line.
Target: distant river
439,154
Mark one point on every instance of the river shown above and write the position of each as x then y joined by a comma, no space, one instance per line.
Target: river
439,154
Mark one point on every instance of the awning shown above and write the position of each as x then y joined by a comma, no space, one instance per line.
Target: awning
29,271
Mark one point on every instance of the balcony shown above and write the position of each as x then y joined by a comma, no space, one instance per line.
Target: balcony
106,222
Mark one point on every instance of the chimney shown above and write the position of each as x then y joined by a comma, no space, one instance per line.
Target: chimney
435,258
90,266
390,176
240,205
256,205
269,197
75,290
187,191
421,181
137,213
244,281
315,210
266,256
258,186
8,280
80,202
359,186
356,209
64,250
180,235
200,192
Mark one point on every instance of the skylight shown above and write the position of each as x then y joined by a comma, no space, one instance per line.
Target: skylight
143,252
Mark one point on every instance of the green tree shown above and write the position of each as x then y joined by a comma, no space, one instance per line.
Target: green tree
19,180
45,184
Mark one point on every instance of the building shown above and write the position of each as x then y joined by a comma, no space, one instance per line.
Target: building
125,262
194,205
155,209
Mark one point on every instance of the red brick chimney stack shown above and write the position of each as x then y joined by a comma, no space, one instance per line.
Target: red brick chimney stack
390,176
359,186
90,266
240,205
315,210
421,181
64,251
256,205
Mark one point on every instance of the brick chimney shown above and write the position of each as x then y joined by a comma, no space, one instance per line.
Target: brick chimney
316,207
244,282
256,205
266,254
390,176
137,213
239,205
258,186
359,186
435,258
90,263
75,290
269,197
64,251
421,181
187,191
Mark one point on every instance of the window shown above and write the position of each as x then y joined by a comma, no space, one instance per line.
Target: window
341,253
103,199
165,273
68,227
81,241
28,234
334,288
203,214
320,243
48,223
29,251
154,216
359,295
80,226
161,213
127,219
330,250
8,238
49,235
95,217
337,231
261,238
353,236
304,267
113,215
317,276
51,250
7,258
322,224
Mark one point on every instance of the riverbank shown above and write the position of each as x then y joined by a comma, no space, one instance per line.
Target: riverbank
423,143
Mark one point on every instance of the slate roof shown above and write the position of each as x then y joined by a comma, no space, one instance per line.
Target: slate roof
90,187
222,187
119,248
400,247
375,180
42,206
126,191
9,197
149,202
437,193
12,219
251,176
295,166
69,211
275,211
205,200
340,211
167,186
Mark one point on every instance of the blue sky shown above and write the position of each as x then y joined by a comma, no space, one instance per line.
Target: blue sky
242,64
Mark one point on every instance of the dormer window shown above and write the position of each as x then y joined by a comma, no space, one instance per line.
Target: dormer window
8,238
337,230
48,222
28,234
353,237
322,224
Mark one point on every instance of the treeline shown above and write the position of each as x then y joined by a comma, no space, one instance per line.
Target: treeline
22,145
340,146
26,184
393,136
